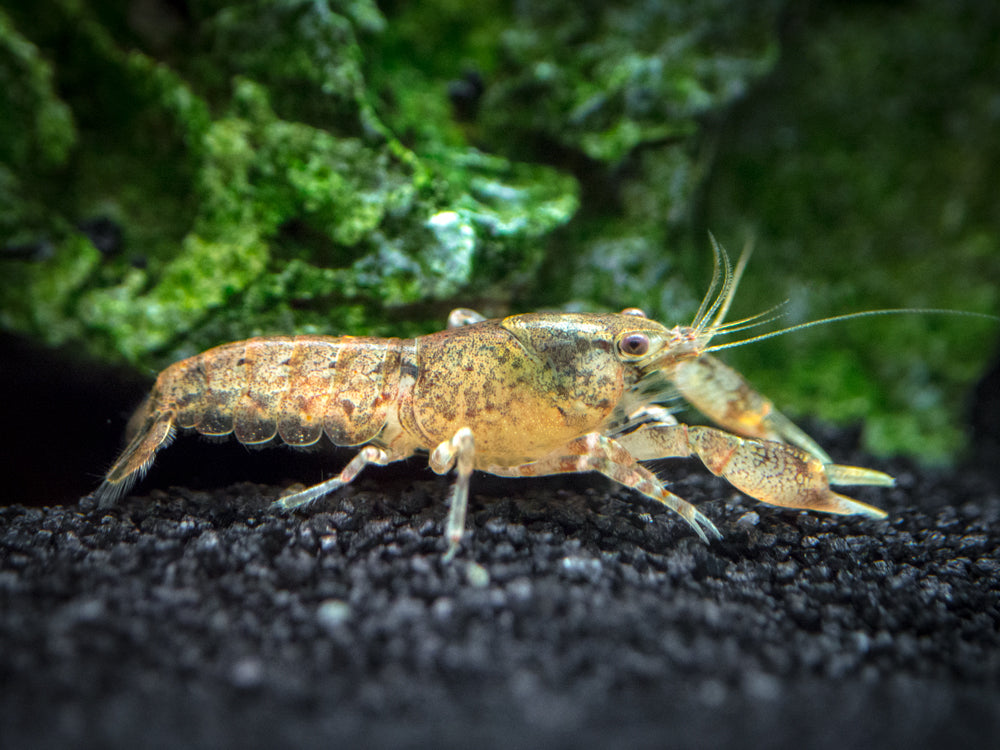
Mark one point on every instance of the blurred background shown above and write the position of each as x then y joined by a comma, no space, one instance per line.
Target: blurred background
175,175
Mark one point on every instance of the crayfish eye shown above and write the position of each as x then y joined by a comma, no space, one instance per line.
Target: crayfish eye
634,311
634,344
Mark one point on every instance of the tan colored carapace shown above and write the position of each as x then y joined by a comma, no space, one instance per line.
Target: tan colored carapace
527,395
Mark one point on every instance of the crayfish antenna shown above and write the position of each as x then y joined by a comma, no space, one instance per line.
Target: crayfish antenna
707,301
722,279
728,292
726,279
717,307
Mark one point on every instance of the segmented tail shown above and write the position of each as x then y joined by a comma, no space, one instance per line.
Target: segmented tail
153,432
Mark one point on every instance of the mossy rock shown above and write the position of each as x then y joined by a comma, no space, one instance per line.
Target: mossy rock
180,176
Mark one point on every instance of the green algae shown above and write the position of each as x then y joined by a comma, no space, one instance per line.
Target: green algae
329,167
267,210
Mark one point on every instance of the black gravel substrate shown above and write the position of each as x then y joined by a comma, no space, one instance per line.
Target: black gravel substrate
576,615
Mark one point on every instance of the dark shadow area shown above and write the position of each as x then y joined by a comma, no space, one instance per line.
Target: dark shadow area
63,417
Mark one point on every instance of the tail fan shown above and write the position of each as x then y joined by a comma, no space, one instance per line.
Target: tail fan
155,432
